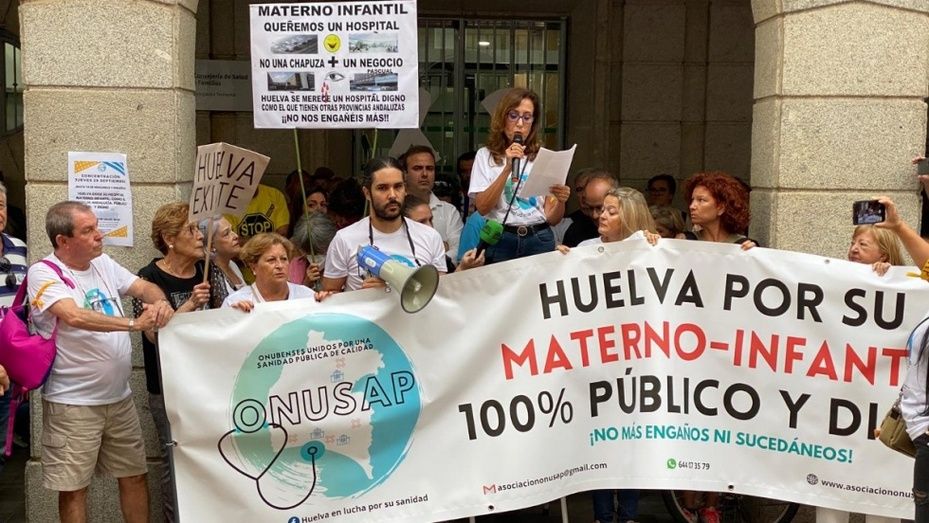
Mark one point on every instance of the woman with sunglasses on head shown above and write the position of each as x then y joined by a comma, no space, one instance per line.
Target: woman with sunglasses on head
225,275
179,274
503,165
13,269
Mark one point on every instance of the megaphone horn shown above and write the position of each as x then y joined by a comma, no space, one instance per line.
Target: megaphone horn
417,286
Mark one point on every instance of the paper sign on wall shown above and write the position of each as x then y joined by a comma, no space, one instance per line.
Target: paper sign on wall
101,180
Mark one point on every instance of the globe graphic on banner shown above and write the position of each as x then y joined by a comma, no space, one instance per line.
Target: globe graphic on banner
324,405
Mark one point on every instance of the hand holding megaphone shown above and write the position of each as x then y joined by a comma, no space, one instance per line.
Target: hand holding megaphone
417,286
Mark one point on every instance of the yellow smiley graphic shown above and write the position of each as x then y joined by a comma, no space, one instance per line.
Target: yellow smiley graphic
332,43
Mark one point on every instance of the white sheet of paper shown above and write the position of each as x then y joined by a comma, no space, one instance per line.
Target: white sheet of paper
549,168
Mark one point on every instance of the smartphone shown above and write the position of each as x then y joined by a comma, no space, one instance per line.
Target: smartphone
868,212
922,166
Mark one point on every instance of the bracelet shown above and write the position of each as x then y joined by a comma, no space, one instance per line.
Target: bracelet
131,324
924,272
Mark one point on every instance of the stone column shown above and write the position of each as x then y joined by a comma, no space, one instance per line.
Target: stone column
838,115
113,76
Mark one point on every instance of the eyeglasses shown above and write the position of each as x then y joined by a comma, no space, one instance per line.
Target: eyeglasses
514,116
7,267
99,302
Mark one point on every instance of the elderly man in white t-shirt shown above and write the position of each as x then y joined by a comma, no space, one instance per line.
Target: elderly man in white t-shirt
89,421
404,240
418,164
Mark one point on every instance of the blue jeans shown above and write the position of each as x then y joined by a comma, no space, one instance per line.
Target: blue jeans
512,246
921,479
628,501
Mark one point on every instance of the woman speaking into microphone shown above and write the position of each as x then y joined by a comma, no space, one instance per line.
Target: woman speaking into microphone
501,167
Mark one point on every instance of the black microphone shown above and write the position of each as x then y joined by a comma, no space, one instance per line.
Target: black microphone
517,138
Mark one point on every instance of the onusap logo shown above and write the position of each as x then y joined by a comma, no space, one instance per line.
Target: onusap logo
309,407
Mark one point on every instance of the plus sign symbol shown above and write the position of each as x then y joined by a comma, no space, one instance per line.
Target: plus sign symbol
333,62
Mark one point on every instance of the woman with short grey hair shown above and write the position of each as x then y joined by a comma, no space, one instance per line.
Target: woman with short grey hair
312,236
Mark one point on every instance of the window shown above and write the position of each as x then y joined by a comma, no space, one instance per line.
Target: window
13,86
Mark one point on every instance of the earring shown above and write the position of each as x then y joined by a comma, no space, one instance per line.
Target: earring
170,245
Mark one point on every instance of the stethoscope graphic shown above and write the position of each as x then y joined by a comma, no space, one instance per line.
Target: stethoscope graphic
310,452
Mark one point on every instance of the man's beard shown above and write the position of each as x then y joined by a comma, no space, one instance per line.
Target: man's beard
387,215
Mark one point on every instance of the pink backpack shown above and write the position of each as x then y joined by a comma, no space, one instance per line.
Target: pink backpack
27,357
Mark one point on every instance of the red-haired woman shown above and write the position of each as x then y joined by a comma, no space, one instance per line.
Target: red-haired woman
719,207
719,213
526,221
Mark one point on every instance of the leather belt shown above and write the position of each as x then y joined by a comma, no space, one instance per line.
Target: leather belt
525,230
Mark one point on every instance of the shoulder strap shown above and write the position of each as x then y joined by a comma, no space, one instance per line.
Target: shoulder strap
21,292
67,281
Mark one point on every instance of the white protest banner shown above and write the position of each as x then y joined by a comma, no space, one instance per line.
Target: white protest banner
336,65
225,180
101,180
689,365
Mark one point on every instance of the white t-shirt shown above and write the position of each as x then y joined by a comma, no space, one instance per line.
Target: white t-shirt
92,368
447,220
250,293
637,235
342,259
913,401
525,211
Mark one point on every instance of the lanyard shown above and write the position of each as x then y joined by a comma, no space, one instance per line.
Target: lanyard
406,229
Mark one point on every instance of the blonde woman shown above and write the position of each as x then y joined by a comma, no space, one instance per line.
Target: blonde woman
268,256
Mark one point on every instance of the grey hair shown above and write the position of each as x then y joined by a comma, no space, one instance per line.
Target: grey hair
2,189
313,233
60,219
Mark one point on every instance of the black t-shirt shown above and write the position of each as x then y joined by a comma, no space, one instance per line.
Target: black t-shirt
581,228
177,290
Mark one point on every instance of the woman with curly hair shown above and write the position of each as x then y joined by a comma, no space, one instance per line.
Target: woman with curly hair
719,207
515,139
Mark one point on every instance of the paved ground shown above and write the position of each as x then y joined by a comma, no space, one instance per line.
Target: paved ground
12,480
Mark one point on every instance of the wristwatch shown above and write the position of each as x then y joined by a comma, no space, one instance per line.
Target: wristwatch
131,324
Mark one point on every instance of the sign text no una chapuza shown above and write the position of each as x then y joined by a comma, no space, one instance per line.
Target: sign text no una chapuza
225,180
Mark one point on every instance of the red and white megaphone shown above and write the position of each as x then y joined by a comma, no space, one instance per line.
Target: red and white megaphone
417,286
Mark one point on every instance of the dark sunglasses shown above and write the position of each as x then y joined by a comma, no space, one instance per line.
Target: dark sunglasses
6,266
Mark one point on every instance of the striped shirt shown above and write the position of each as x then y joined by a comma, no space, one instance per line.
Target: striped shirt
14,250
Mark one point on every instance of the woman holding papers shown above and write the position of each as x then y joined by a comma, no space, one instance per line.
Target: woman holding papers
501,167
267,254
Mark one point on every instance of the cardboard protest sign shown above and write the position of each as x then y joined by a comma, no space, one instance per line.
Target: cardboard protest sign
225,180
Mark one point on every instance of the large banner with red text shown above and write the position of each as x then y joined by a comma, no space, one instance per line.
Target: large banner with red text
687,365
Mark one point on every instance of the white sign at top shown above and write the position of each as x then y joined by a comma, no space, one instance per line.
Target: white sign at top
343,65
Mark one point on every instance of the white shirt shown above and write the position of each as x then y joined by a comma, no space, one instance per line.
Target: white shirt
342,259
92,368
913,400
525,211
447,220
250,293
637,235
560,228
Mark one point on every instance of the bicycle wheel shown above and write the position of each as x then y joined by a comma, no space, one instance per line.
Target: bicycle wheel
736,508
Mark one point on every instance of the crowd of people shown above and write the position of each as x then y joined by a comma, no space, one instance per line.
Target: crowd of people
302,244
